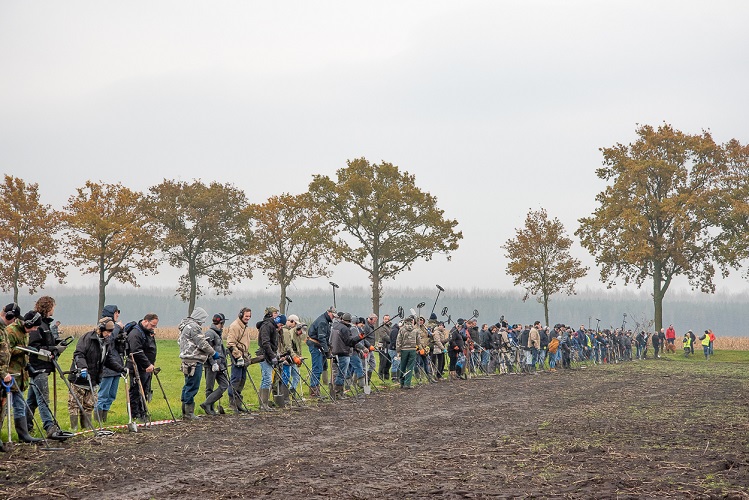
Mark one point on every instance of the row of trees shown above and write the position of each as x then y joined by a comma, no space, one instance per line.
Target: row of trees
372,215
675,205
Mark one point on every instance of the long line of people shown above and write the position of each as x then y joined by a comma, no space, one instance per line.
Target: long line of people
342,347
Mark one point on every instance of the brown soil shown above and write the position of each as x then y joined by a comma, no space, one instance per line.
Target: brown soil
622,431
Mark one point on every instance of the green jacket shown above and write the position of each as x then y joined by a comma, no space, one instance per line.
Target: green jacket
4,351
407,339
17,337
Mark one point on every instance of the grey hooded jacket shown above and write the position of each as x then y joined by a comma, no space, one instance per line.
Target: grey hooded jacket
193,343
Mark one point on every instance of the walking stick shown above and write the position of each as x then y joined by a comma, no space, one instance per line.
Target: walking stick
156,373
8,404
131,426
54,395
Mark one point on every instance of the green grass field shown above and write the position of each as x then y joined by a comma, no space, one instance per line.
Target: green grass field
173,380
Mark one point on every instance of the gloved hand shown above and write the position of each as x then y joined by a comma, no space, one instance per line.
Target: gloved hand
444,351
216,355
297,360
371,348
214,367
422,352
274,362
239,362
361,335
84,373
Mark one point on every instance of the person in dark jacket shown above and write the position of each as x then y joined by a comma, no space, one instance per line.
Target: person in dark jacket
383,368
110,379
267,339
345,339
395,360
141,346
45,339
317,341
92,354
455,346
215,369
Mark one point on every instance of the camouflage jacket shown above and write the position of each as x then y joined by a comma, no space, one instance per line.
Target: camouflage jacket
17,337
407,338
4,351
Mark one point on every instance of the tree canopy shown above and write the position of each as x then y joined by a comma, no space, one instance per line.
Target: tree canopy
289,231
389,222
29,249
205,229
653,219
539,258
109,234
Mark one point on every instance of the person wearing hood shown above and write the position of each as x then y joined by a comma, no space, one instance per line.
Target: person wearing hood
267,338
194,350
110,379
92,354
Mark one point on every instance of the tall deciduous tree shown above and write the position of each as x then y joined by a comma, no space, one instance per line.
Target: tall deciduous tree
29,252
391,222
288,232
108,233
540,260
731,207
205,229
653,220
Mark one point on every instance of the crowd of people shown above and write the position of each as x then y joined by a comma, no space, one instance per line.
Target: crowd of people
343,349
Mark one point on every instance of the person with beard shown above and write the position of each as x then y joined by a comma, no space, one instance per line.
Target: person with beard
142,347
238,343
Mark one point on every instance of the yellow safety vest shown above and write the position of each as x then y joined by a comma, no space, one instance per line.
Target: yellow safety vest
687,342
706,341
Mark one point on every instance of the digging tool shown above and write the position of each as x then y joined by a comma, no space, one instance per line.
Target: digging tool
235,398
254,387
8,404
136,374
156,374
131,426
334,287
398,315
440,290
101,431
367,389
320,385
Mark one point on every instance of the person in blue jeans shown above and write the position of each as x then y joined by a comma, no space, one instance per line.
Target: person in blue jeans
194,350
110,380
318,342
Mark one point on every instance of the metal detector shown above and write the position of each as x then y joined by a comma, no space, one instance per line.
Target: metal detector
131,426
156,374
334,287
440,290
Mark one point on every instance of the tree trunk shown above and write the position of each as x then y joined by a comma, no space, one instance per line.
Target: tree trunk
376,292
658,296
193,287
16,277
546,309
102,288
282,304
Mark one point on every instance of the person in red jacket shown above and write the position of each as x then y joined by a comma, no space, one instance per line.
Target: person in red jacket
671,335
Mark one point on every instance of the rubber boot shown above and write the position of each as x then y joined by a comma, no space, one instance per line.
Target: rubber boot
23,431
74,422
208,408
188,411
338,389
30,421
264,396
314,392
103,414
86,421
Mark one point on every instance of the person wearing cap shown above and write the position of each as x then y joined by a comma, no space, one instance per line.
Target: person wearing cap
91,355
215,369
267,339
455,347
437,341
406,345
17,334
194,351
110,379
40,367
318,337
343,340
238,344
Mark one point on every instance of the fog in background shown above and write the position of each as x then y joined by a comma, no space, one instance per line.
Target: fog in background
496,107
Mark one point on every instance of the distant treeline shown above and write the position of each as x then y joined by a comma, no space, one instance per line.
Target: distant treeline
725,314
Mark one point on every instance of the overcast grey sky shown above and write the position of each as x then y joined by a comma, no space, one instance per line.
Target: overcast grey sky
496,107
